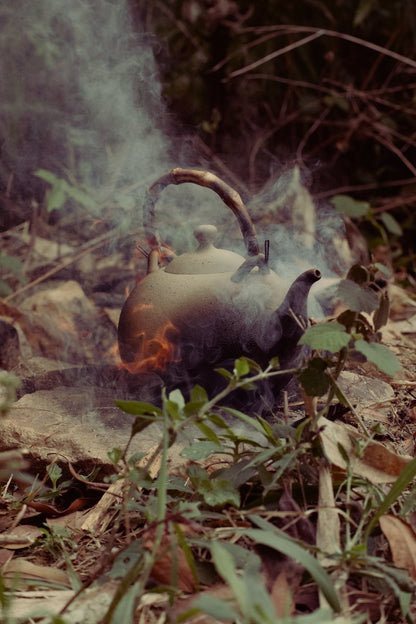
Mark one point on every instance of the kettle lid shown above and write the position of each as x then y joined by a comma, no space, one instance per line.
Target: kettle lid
207,258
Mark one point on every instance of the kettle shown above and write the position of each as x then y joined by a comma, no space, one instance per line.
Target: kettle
201,309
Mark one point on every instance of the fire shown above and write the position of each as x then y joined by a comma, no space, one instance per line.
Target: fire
154,354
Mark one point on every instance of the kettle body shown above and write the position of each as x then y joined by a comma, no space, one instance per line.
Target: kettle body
210,306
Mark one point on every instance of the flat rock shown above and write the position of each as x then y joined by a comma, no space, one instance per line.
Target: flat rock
77,425
364,391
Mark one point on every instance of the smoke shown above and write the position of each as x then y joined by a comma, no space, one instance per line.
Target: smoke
80,96
303,233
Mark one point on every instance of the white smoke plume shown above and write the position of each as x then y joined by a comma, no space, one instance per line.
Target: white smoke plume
80,95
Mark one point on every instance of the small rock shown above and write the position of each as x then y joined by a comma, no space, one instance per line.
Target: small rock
9,346
364,391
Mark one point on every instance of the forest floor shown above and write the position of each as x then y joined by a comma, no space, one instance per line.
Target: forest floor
103,519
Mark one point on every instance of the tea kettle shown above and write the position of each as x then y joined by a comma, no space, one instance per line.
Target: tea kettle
203,308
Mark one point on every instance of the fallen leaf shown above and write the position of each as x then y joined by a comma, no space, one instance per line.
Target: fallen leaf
378,464
25,602
72,521
171,566
53,512
328,526
28,574
282,596
402,542
376,415
22,536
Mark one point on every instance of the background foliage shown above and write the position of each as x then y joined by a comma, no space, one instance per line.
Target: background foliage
260,86
327,84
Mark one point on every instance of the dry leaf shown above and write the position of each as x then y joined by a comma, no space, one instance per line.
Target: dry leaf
219,591
282,596
50,510
25,602
72,521
28,573
328,528
378,464
22,536
402,542
171,566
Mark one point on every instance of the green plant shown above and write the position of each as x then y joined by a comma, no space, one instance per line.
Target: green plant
354,334
11,267
8,386
61,191
214,515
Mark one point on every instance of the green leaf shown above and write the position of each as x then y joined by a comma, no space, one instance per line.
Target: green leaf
403,480
55,473
138,408
329,336
379,355
48,176
241,367
56,196
226,567
124,611
81,197
200,450
140,423
175,404
383,269
5,289
249,420
315,381
363,11
215,492
208,432
225,373
350,207
215,607
114,455
282,543
11,263
391,224
274,363
239,473
359,298
199,394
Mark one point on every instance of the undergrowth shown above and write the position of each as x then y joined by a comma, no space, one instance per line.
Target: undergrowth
256,525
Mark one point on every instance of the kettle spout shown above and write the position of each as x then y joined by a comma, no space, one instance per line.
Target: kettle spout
287,324
296,298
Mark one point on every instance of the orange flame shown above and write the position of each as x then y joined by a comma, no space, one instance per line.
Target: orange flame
157,352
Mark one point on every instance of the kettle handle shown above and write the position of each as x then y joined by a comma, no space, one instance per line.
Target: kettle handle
203,178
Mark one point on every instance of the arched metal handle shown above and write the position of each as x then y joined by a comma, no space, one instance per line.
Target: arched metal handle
202,178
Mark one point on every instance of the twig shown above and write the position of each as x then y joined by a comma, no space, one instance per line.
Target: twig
99,242
309,133
275,54
395,204
319,32
237,182
393,148
359,188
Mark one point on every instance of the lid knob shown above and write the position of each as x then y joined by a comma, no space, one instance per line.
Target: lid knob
205,235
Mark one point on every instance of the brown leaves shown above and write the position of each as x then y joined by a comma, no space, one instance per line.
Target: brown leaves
402,542
172,565
29,573
371,460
